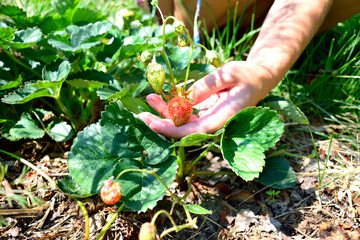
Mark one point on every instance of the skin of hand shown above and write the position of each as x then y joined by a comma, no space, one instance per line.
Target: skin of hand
288,28
219,95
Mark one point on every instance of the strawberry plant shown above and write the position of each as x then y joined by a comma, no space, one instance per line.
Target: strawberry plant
122,147
58,68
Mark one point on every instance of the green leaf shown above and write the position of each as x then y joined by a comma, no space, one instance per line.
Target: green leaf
67,186
90,163
26,127
133,136
134,45
198,210
11,10
51,23
135,105
60,131
26,94
119,142
25,38
82,38
6,33
7,84
5,131
90,79
86,15
179,57
61,6
108,92
246,136
44,55
286,108
194,139
14,12
197,71
56,72
277,174
106,52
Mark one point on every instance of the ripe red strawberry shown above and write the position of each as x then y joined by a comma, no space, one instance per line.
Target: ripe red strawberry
110,192
180,110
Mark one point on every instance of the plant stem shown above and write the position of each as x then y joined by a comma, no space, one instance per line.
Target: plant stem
188,179
38,170
326,162
21,63
199,157
64,109
191,52
87,225
317,156
191,224
202,46
163,53
153,220
177,228
181,162
188,67
103,231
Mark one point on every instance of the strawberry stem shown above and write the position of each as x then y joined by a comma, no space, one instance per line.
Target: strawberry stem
86,215
203,154
163,53
181,162
191,52
106,227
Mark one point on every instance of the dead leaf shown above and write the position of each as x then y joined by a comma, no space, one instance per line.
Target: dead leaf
241,196
244,219
308,184
267,224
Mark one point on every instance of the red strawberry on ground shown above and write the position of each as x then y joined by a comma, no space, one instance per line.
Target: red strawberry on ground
180,110
110,192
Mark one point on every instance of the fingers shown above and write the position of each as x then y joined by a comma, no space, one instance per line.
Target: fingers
223,78
166,127
224,106
156,102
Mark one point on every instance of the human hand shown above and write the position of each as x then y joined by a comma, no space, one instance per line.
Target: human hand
220,95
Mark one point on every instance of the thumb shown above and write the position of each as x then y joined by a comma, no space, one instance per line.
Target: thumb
222,78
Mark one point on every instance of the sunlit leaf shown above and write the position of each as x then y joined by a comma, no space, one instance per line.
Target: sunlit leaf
247,136
26,127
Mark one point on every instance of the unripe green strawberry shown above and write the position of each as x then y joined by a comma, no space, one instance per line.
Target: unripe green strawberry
110,192
156,77
213,58
179,26
145,57
180,110
147,231
183,40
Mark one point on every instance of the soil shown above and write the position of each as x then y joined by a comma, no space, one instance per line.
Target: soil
240,210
